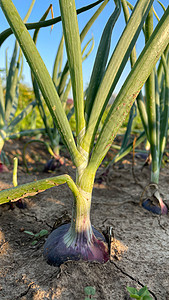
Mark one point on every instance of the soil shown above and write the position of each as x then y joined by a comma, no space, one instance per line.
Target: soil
140,252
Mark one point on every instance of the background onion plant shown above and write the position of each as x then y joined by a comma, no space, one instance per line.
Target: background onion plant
154,111
80,240
9,98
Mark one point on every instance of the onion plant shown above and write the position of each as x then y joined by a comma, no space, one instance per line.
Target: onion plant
9,103
9,98
154,111
80,240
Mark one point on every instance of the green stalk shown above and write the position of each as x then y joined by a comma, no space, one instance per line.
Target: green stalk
2,106
2,139
42,77
14,90
151,107
100,61
73,49
158,117
143,112
165,117
130,89
162,5
65,72
132,115
31,132
41,108
125,149
133,58
128,149
15,167
35,85
65,93
115,68
92,20
33,188
84,57
58,62
21,68
29,11
11,83
62,91
160,70
6,62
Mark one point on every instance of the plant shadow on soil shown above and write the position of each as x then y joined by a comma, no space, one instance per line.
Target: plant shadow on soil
140,246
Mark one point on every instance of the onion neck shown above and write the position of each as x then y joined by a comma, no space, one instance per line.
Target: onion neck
81,229
155,176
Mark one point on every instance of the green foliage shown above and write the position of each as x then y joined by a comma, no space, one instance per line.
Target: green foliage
37,236
142,294
62,82
9,96
34,120
153,115
89,292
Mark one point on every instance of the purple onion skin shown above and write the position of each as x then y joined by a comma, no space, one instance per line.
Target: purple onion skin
147,204
52,164
56,251
160,209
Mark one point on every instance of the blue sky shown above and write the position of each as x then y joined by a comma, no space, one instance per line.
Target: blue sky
48,40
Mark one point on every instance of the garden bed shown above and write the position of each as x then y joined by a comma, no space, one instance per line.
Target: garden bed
141,253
